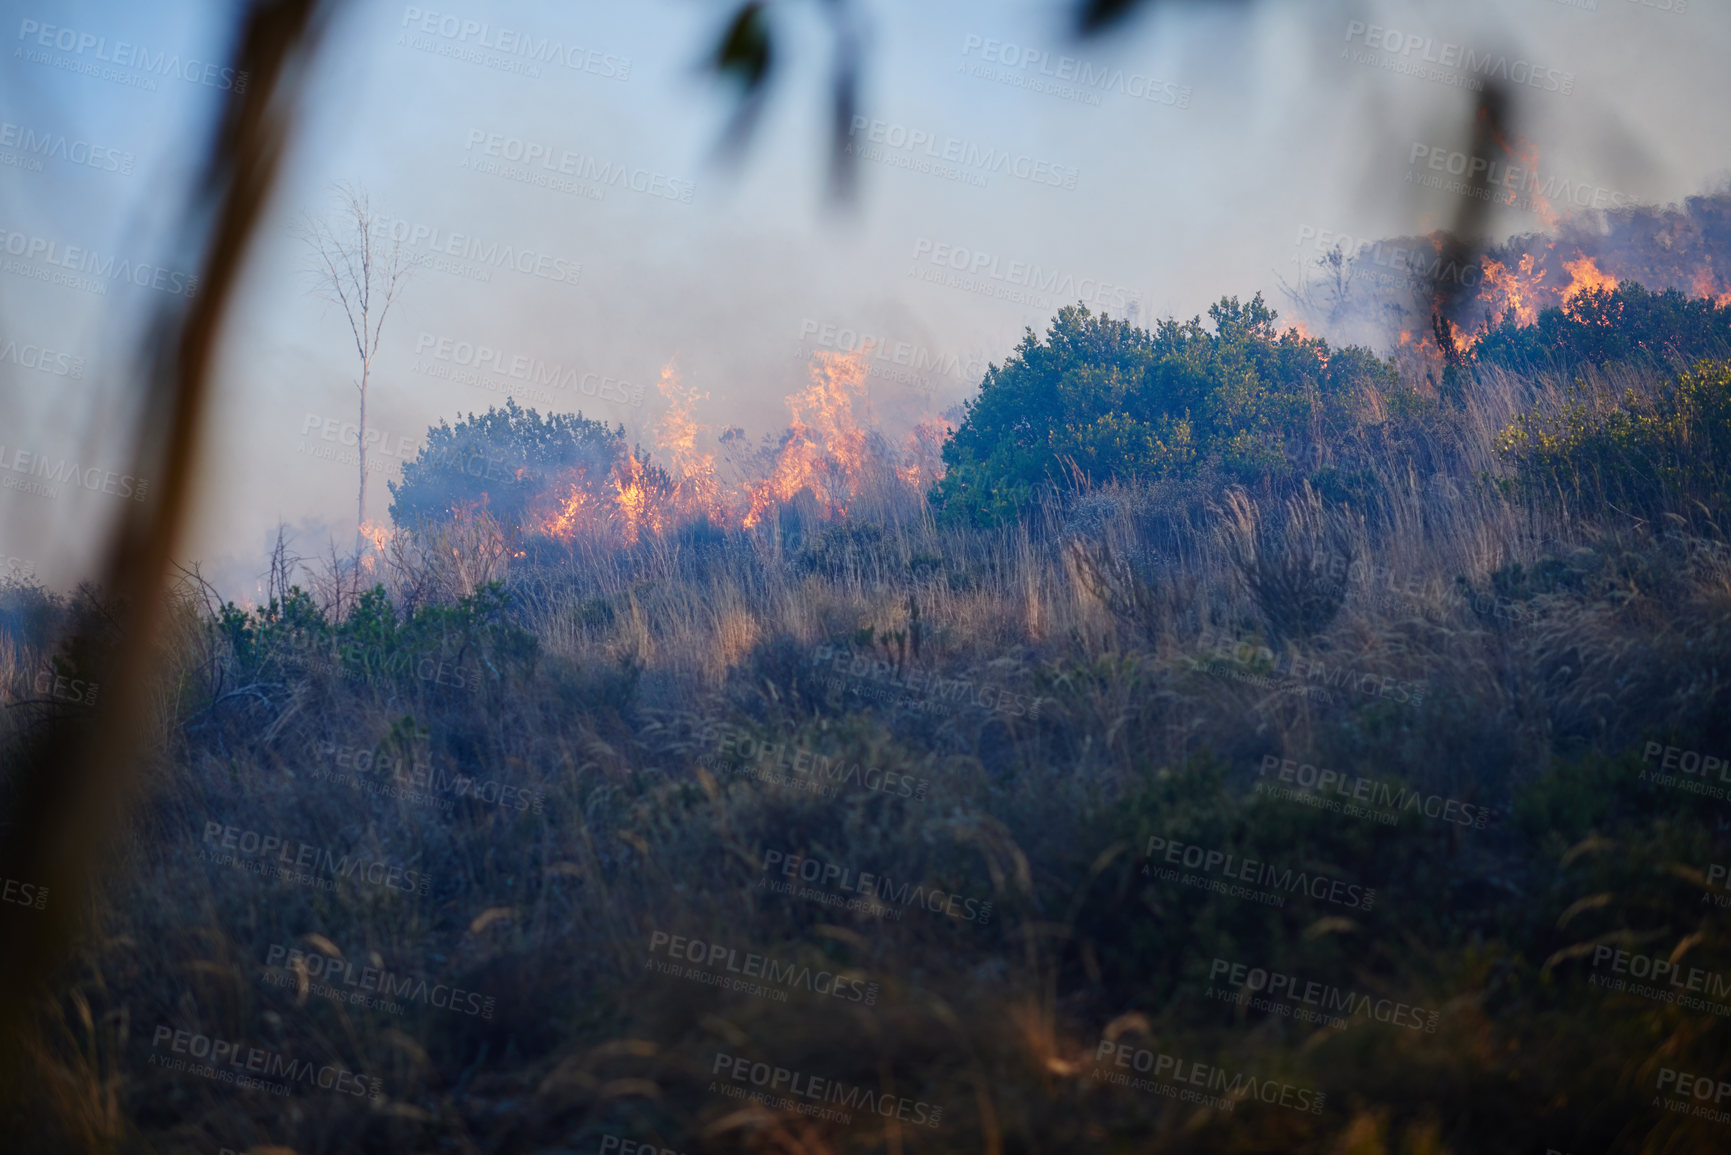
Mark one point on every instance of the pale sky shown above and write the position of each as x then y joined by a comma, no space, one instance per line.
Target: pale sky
1204,145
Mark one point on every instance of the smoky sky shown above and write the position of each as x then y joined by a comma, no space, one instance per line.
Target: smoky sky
1004,170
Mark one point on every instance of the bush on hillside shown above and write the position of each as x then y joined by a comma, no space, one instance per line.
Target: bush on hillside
1100,401
1646,456
505,459
1627,325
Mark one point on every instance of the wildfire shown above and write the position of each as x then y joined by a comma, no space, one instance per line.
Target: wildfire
1512,294
574,508
1586,277
637,507
923,452
824,448
829,451
696,489
1706,286
377,535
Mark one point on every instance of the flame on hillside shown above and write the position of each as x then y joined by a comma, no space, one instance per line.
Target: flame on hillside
1513,295
830,451
1585,277
824,448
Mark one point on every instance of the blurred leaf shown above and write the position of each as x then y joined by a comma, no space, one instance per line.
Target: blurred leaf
1095,16
745,52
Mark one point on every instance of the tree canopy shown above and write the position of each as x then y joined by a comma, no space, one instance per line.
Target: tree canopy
504,456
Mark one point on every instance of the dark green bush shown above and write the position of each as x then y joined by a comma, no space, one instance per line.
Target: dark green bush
1102,401
505,458
1626,325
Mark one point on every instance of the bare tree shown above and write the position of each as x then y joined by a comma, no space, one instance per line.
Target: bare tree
355,269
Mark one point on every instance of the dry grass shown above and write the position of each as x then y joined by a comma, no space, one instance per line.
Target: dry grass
1099,610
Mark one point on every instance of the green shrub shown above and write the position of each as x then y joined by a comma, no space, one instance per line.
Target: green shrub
1646,456
506,458
1101,401
1626,325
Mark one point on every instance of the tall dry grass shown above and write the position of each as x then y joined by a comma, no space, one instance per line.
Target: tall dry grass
655,664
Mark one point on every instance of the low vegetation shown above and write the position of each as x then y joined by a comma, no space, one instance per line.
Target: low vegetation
1169,581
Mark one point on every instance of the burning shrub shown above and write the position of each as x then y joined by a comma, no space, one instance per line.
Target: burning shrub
1604,326
524,468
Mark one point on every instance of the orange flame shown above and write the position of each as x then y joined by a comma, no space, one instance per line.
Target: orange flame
1512,294
1586,277
1706,286
923,454
829,451
697,491
824,449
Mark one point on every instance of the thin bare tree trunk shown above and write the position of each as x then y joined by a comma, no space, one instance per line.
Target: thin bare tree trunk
361,442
